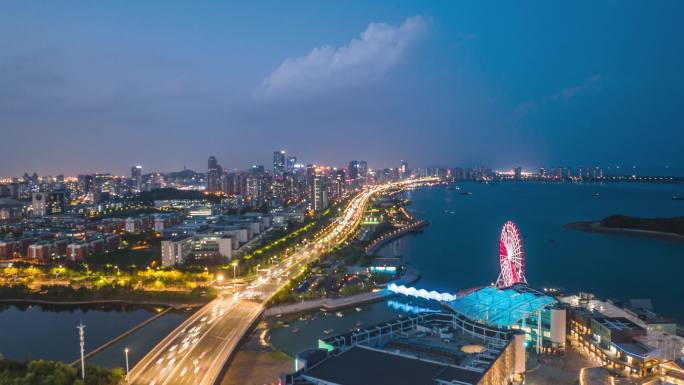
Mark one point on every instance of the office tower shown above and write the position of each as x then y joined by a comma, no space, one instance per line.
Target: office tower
213,175
279,162
353,170
363,169
542,172
291,161
318,195
518,173
403,170
136,178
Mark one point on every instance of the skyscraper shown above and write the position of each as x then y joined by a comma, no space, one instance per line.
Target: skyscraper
213,175
136,178
291,161
403,170
279,162
318,195
353,170
363,168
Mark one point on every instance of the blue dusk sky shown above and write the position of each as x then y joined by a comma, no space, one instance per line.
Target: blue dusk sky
98,86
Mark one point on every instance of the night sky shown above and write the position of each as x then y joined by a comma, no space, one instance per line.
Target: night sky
101,86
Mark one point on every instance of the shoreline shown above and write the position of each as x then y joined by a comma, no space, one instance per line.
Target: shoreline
595,227
101,302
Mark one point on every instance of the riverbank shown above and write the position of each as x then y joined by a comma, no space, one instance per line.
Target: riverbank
103,302
596,227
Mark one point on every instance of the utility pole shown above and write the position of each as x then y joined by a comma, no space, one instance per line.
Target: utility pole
81,336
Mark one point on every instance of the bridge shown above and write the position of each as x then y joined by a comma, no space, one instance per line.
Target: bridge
196,352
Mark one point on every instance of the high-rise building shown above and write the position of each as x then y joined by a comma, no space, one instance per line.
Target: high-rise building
291,161
136,178
279,162
518,173
51,203
213,175
403,170
353,170
363,168
212,164
318,195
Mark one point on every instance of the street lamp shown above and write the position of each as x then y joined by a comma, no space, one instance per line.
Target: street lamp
234,264
219,279
126,354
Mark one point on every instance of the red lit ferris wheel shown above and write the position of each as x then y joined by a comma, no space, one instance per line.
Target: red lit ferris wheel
511,257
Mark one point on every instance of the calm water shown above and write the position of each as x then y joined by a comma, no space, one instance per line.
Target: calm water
49,332
460,250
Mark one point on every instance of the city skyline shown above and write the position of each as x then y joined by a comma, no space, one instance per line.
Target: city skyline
101,87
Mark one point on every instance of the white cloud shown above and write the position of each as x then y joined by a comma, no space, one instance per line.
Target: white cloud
364,59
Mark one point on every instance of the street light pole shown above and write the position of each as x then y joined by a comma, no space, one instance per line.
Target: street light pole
126,353
234,264
81,337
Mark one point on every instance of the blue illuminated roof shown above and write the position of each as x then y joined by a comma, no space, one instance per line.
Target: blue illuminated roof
501,307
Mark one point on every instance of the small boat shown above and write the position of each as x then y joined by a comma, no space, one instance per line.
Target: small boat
328,331
339,314
358,309
596,194
358,324
295,330
465,193
677,198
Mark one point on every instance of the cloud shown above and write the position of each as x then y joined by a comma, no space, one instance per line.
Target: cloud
592,83
568,93
364,59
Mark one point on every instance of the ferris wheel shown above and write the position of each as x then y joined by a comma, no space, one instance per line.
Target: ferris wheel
511,257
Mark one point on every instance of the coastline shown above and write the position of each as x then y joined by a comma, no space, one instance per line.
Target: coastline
595,227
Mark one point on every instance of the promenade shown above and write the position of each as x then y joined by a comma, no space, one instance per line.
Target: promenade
334,304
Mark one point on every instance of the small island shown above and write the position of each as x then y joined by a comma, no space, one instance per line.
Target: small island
661,228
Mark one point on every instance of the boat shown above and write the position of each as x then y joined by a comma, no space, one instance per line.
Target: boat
596,194
328,331
358,309
339,314
358,324
465,193
677,198
295,330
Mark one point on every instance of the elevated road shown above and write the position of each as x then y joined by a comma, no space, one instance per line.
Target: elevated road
197,350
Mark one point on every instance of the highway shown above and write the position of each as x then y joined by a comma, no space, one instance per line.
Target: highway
197,350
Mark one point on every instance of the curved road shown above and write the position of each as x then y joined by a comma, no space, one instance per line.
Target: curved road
197,350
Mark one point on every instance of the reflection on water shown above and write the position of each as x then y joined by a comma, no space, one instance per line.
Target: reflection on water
409,308
49,331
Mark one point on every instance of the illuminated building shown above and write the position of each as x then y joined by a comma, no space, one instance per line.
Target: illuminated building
279,162
136,178
213,175
50,203
428,348
403,170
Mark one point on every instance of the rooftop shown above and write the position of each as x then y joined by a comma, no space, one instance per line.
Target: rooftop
501,307
363,365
